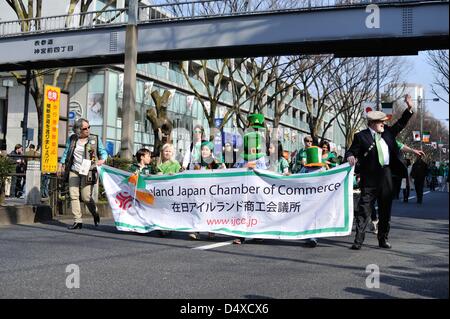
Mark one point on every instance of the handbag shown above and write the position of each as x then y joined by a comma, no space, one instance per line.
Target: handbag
92,177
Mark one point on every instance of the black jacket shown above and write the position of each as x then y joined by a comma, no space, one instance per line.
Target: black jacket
419,170
368,165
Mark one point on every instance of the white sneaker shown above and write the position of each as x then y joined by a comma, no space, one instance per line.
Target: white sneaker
375,226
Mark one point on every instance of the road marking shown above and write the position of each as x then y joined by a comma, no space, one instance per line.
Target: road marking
423,193
226,243
214,245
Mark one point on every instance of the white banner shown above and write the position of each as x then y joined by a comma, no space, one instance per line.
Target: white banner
235,202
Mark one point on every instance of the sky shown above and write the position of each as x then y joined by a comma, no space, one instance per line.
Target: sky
422,73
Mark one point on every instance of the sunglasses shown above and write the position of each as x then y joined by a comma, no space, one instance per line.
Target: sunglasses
197,131
85,128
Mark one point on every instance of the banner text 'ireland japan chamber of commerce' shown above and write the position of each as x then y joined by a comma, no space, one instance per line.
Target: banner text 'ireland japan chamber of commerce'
236,202
50,129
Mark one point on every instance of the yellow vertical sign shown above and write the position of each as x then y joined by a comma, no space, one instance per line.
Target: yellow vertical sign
49,158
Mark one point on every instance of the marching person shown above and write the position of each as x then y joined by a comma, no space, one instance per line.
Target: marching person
207,162
192,156
300,157
376,150
82,154
143,158
419,172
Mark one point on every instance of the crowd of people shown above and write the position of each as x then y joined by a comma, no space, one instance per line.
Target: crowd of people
377,154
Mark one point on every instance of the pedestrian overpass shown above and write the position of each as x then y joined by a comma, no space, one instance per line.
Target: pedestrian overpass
189,31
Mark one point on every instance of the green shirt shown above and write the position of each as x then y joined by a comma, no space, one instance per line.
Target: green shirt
279,166
330,158
146,170
169,167
298,164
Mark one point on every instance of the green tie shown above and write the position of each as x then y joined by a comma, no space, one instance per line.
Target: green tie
379,149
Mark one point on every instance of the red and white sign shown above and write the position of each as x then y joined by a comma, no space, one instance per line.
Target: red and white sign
52,95
368,107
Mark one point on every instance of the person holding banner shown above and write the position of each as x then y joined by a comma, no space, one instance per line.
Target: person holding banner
83,153
328,157
207,162
379,157
300,157
253,155
143,158
276,162
314,162
192,156
167,165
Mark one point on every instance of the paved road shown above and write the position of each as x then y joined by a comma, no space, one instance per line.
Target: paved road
113,264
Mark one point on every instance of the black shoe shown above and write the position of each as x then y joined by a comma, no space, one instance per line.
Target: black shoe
384,244
311,243
96,219
356,247
76,226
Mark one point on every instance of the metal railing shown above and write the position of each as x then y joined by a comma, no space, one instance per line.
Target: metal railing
85,20
165,10
53,191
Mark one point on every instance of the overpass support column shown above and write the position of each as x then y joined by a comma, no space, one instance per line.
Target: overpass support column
129,82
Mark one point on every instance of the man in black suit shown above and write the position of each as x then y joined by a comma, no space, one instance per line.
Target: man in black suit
379,158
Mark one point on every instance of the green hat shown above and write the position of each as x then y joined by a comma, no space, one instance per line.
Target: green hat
256,120
208,144
253,142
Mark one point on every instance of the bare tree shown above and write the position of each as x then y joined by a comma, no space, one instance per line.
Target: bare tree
317,74
439,62
356,85
214,76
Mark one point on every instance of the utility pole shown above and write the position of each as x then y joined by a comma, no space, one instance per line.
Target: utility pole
378,84
25,110
420,107
129,82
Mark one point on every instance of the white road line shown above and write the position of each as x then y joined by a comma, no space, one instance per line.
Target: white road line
214,245
226,243
423,193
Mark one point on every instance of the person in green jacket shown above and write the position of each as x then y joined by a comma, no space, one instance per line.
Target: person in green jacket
276,162
328,158
143,158
300,158
167,164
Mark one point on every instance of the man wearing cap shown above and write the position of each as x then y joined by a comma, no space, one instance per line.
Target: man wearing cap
378,155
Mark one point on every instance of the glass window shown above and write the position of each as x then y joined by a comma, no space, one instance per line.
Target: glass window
113,88
111,133
95,105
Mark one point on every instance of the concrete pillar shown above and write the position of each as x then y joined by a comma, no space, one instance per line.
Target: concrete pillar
33,183
129,82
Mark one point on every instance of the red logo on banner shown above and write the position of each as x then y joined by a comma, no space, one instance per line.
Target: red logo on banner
368,109
124,200
52,95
